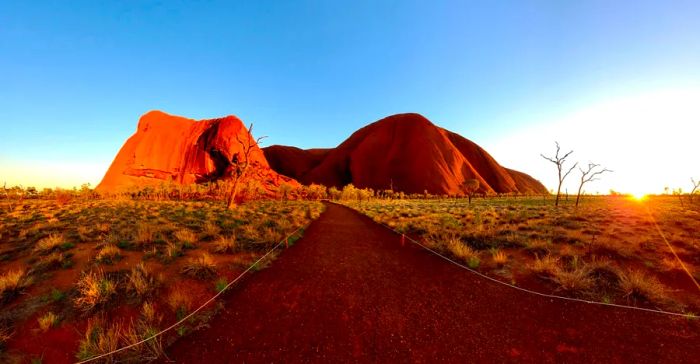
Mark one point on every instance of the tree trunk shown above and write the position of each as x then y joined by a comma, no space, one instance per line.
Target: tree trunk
231,201
578,196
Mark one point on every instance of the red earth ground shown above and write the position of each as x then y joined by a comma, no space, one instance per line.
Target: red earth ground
349,291
405,152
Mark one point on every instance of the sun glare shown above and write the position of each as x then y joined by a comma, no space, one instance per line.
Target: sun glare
638,196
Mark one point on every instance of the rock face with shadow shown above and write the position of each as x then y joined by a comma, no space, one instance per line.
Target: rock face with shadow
174,149
404,152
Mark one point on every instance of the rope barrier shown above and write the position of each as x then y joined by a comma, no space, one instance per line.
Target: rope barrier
404,236
181,321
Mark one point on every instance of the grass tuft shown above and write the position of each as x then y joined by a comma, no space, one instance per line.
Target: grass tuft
499,257
47,321
49,244
12,283
638,286
141,282
179,301
201,267
186,237
94,289
99,339
546,266
225,245
109,254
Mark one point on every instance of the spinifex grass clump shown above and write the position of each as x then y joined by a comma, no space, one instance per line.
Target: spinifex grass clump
47,321
141,282
49,244
94,289
201,267
225,245
12,283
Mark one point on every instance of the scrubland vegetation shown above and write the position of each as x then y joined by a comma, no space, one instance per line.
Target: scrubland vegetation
608,249
86,275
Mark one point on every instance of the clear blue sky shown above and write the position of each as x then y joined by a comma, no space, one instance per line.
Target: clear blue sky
76,75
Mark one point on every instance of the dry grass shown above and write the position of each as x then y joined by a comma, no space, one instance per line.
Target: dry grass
499,257
94,289
12,283
463,252
638,286
180,301
577,281
210,230
155,232
546,266
108,254
49,244
225,245
141,282
145,233
146,352
99,339
201,267
47,321
52,261
148,312
173,251
186,236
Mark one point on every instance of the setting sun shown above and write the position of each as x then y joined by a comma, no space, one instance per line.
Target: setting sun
638,196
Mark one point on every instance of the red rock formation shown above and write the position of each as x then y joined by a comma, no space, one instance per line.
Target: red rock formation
173,148
406,152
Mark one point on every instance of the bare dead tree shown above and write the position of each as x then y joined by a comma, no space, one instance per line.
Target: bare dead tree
240,163
559,162
695,187
589,175
470,187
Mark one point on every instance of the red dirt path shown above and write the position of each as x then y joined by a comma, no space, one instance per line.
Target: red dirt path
349,292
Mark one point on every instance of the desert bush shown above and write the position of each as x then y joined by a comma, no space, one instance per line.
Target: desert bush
141,282
12,283
47,321
200,267
94,289
225,245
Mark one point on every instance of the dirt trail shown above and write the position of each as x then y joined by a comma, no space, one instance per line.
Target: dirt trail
349,292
